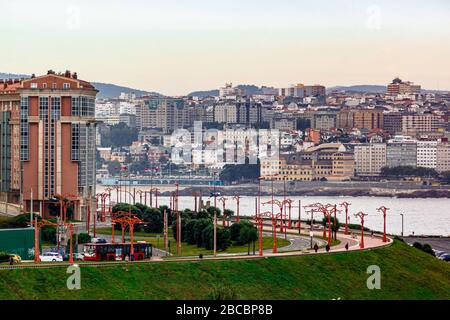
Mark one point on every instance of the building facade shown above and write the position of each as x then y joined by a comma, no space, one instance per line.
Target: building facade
401,151
57,141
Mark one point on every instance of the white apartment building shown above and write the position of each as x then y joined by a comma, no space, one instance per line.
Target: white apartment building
427,153
370,159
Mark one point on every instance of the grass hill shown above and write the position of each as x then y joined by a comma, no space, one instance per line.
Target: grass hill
407,273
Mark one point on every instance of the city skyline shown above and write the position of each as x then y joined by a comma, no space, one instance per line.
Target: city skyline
175,48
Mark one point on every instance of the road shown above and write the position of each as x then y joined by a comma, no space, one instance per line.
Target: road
440,244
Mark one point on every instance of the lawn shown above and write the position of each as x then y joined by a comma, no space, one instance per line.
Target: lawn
406,273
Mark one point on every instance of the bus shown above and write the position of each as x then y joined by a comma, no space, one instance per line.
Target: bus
117,251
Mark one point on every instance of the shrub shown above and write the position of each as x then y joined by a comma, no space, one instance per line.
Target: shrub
84,238
4,257
418,245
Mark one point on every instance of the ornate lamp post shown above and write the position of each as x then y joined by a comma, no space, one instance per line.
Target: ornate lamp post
346,205
224,201
238,200
362,215
384,211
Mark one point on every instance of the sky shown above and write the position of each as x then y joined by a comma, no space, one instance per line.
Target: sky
175,47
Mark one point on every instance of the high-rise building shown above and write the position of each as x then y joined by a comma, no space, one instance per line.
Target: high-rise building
401,151
392,122
427,153
443,156
421,123
164,113
397,86
302,91
370,158
57,140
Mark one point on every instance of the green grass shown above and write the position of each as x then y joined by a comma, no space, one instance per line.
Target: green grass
406,273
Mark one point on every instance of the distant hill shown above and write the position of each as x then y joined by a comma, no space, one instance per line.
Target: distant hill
249,89
106,90
12,76
359,89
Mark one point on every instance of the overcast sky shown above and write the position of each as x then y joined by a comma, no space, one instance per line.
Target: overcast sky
175,47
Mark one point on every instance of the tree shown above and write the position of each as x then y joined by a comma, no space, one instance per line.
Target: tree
409,171
234,173
114,167
248,235
84,238
120,135
446,177
154,222
334,226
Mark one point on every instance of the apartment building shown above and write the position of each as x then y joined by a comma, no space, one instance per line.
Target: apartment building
54,115
370,158
401,151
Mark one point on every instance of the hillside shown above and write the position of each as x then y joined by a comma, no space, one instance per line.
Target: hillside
407,273
106,90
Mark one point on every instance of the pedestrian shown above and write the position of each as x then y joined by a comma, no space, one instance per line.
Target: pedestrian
328,248
346,246
11,260
316,248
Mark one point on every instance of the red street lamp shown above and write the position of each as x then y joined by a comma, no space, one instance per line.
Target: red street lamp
346,205
224,201
384,211
238,200
361,215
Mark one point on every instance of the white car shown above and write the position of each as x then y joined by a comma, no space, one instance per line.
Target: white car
51,257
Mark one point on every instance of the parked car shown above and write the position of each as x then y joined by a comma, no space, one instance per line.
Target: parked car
15,259
76,256
51,257
445,257
440,253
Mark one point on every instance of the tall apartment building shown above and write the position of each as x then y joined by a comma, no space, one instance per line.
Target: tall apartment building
427,153
167,114
393,122
360,118
370,158
9,141
401,151
324,120
421,123
443,156
239,112
397,86
304,91
57,139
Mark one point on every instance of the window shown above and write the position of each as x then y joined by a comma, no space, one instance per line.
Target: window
75,106
24,128
54,85
34,85
75,141
66,86
44,86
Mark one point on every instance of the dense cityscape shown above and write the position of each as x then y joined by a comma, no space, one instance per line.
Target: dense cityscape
224,159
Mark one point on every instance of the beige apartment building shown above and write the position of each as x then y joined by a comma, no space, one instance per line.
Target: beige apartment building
443,156
370,159
326,162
